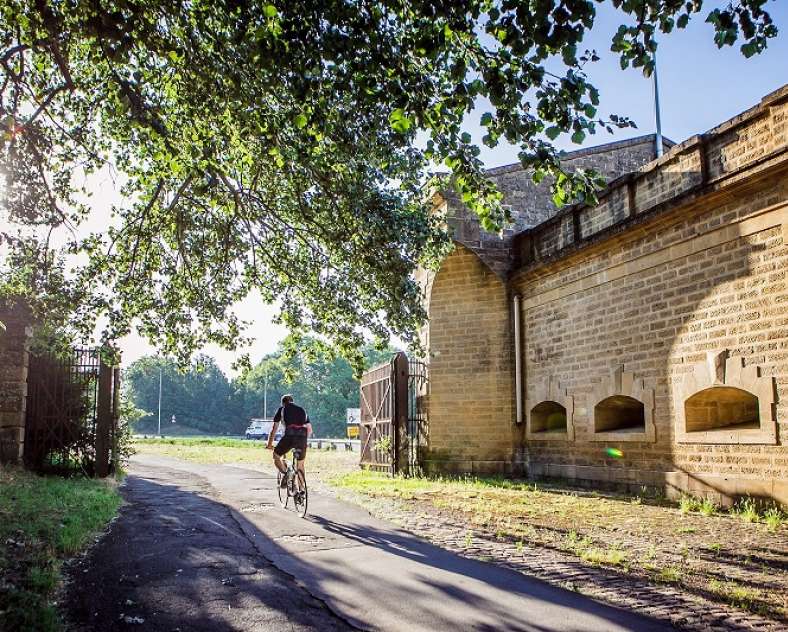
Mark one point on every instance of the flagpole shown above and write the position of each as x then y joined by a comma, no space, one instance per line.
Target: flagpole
657,117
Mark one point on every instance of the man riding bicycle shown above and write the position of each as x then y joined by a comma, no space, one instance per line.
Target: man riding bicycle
297,429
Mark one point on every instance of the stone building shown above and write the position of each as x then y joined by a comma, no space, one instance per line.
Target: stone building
640,341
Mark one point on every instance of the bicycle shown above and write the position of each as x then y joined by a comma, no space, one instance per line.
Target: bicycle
295,488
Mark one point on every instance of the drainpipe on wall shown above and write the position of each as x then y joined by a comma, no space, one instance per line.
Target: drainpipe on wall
518,380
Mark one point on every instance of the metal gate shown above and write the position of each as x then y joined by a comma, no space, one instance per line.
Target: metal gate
416,432
393,416
71,413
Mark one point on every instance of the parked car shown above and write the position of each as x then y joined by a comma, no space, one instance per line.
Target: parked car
260,429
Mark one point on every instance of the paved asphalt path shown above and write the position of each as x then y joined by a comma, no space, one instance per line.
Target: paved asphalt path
201,547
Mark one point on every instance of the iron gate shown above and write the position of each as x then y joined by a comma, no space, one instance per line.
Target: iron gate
71,413
416,433
393,416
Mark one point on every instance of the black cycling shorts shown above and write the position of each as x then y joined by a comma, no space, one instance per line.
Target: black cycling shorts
291,442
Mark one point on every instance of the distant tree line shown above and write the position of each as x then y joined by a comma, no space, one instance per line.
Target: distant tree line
204,399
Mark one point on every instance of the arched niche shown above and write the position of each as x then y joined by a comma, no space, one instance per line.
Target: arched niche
721,407
619,413
550,413
724,401
548,416
622,409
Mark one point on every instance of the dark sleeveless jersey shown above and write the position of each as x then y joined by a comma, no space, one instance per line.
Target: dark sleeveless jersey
294,418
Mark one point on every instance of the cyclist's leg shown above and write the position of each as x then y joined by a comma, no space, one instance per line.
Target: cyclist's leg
282,448
300,466
301,445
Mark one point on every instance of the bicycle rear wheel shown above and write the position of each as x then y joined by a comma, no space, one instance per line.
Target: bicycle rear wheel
301,496
282,491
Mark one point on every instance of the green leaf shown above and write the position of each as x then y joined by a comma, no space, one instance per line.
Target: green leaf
578,137
749,49
399,121
190,100
569,54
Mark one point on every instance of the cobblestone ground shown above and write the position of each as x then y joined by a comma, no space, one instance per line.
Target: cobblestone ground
452,531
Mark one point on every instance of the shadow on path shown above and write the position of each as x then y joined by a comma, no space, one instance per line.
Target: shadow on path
179,558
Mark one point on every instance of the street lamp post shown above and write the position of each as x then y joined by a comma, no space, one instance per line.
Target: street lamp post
159,401
265,396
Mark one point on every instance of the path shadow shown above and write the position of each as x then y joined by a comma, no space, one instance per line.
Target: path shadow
178,559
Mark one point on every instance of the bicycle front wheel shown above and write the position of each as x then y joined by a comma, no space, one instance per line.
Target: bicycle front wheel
282,491
301,496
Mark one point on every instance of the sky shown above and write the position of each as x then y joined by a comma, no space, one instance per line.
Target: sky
701,86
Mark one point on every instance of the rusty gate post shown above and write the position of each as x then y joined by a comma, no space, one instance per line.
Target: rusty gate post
103,419
399,369
115,418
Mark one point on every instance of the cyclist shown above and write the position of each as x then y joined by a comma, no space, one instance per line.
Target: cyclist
297,429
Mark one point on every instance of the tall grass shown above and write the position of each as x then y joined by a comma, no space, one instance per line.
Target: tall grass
44,520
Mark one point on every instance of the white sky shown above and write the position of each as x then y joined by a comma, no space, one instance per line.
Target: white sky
700,87
105,194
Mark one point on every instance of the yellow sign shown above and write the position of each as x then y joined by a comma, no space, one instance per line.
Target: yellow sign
352,432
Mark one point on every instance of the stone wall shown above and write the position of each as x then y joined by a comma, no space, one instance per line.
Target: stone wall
532,204
671,290
470,398
658,316
685,291
14,341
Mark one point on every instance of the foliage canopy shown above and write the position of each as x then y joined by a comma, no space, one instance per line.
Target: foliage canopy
204,399
271,147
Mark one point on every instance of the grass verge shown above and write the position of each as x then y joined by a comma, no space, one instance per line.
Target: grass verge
320,463
43,521
687,544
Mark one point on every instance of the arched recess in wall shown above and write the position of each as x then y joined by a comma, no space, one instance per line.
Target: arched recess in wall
622,409
619,413
724,401
470,358
550,413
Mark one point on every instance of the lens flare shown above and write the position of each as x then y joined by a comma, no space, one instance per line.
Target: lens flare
614,453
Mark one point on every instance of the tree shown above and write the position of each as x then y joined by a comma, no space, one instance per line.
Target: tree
321,382
204,399
271,146
200,397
